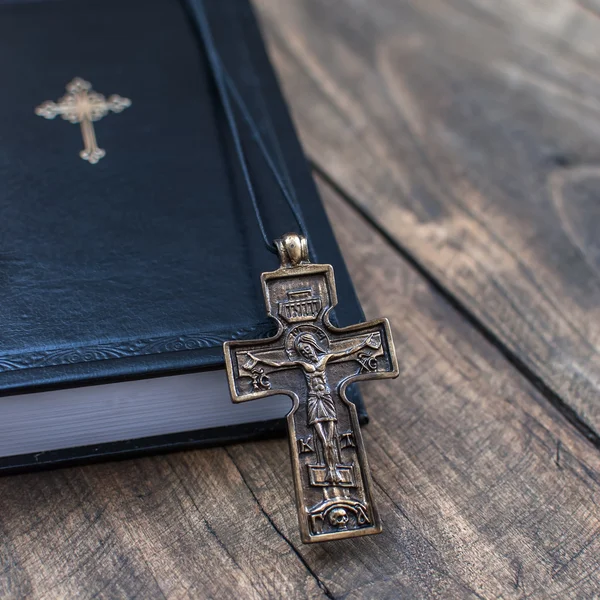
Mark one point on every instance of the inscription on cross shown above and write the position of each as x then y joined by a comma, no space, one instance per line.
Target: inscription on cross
313,362
83,105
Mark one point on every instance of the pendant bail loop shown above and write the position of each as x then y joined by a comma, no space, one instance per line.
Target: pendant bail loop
293,250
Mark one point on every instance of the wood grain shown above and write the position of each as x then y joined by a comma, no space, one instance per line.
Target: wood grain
485,490
468,130
182,526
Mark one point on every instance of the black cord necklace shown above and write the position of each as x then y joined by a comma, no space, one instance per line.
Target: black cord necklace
227,91
331,474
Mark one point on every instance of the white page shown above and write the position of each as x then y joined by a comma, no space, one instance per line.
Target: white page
128,410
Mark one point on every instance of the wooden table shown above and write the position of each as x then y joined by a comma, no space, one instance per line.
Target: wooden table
457,147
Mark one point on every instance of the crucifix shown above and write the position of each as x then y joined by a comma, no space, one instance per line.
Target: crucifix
81,104
313,362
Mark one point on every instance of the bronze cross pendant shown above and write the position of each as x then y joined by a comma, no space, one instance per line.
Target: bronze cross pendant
81,104
313,362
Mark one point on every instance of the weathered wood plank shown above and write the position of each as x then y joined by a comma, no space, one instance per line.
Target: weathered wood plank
469,131
182,526
485,490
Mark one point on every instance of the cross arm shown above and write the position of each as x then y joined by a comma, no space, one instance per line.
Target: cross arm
250,365
368,344
49,110
117,103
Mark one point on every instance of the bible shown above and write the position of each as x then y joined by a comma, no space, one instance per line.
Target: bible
122,203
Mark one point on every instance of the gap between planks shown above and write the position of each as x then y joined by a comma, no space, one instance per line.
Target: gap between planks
543,387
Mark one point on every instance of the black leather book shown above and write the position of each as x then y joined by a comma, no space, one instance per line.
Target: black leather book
122,275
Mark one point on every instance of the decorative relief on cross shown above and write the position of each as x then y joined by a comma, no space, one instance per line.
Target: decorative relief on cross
83,105
313,362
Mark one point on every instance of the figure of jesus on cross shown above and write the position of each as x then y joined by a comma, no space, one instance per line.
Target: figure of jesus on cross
320,404
313,362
